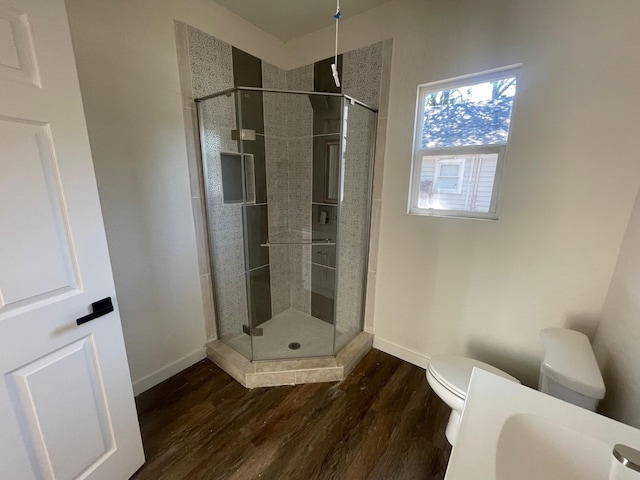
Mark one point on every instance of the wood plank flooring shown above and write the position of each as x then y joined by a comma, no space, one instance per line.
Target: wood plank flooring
381,422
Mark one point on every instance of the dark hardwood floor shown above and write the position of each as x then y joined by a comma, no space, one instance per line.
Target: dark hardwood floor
382,422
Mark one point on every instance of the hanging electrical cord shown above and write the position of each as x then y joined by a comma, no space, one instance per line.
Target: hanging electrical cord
334,65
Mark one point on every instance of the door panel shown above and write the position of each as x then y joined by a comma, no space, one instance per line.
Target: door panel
17,55
45,393
37,263
66,400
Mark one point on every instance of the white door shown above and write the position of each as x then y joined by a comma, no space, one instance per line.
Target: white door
66,402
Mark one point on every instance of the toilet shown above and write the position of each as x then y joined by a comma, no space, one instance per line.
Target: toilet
449,377
568,371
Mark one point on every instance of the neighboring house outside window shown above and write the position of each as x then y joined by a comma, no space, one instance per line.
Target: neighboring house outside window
462,129
449,175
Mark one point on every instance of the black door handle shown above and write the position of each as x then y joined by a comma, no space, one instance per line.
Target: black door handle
100,308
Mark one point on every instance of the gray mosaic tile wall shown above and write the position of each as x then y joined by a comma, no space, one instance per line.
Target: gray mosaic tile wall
213,70
361,79
361,73
194,164
327,122
300,151
276,143
378,168
227,254
300,156
211,63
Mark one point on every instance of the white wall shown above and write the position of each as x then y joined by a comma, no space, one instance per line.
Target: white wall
126,57
471,287
618,335
486,288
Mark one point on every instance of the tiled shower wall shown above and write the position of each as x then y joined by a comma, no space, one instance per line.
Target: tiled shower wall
365,76
362,80
300,155
280,277
217,66
378,167
277,158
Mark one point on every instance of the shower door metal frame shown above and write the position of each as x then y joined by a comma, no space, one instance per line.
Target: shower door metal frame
245,227
209,240
372,164
281,90
343,118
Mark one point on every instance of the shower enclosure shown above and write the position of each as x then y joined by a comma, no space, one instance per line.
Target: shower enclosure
287,178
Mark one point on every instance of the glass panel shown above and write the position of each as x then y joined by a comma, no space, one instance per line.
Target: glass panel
354,218
449,170
472,192
448,183
223,189
474,114
297,318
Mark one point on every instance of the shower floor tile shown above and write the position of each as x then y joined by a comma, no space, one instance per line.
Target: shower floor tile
314,336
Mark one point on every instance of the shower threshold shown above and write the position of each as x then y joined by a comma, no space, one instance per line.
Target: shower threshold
272,373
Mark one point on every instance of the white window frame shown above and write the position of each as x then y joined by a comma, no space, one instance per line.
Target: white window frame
456,152
460,163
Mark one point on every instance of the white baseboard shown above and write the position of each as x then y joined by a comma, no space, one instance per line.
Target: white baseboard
160,375
402,353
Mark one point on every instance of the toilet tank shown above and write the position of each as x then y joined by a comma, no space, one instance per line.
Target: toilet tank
569,370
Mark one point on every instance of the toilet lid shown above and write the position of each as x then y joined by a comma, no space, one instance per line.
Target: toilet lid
454,372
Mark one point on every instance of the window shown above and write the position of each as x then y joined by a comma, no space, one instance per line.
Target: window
461,134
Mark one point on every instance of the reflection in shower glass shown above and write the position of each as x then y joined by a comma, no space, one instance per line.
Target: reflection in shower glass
333,171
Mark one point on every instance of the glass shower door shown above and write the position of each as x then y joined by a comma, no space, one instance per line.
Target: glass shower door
301,231
359,129
224,173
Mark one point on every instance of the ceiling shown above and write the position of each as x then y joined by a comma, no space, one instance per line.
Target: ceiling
288,19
